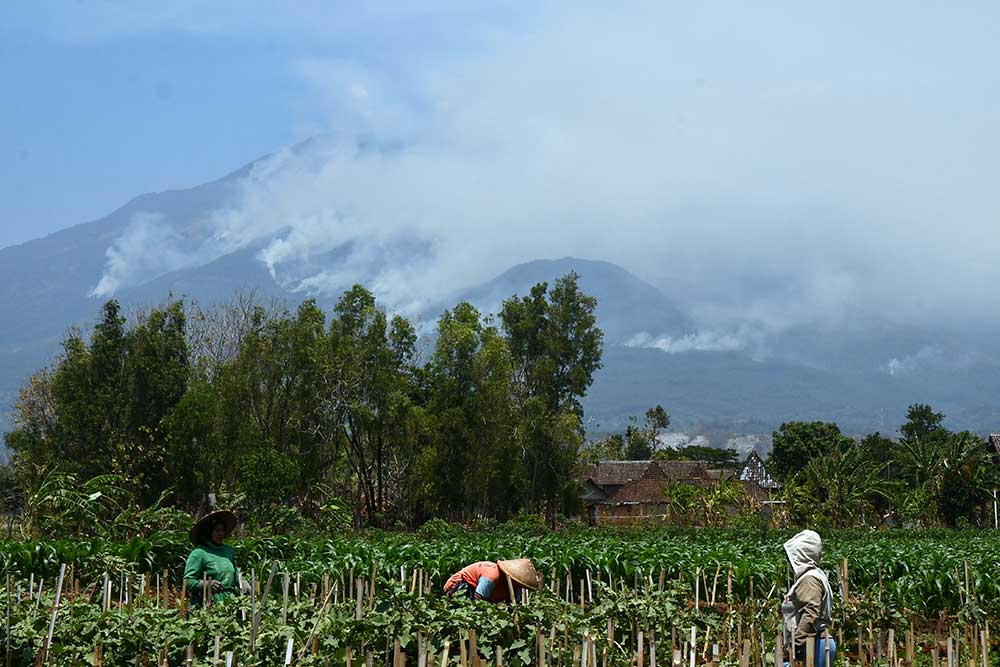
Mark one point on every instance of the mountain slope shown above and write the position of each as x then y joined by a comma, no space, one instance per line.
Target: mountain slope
626,305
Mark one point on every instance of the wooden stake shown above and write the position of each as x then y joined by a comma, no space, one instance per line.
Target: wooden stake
284,598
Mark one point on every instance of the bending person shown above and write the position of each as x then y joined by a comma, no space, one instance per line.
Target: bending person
211,560
501,581
808,605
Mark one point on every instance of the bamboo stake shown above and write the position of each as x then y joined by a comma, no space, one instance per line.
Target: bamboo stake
288,652
55,610
215,651
284,598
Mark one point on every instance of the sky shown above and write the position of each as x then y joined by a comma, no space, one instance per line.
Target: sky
780,161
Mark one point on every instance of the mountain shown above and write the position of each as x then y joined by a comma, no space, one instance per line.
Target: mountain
626,305
861,373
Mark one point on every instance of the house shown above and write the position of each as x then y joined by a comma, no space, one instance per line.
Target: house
623,492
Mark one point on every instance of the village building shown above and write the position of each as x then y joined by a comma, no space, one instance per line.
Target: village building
627,492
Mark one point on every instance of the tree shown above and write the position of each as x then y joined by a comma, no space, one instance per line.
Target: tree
555,342
796,443
921,422
366,396
555,346
841,485
642,441
721,458
472,466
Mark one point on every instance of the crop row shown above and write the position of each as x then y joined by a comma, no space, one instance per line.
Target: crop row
926,573
337,620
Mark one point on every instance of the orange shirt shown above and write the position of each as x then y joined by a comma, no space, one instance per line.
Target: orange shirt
485,577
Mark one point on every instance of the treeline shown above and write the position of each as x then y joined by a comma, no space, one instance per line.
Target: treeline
927,477
346,417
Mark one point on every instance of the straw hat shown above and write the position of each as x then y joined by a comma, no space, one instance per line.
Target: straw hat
203,526
522,571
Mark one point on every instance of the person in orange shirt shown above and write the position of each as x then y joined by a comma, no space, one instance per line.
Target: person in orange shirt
501,581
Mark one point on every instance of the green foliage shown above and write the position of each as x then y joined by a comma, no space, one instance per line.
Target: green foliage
556,347
267,478
796,443
921,421
642,440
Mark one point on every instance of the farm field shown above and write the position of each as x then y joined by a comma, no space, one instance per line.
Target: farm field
610,597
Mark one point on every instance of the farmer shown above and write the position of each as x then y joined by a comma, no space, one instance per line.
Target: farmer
808,605
211,561
501,581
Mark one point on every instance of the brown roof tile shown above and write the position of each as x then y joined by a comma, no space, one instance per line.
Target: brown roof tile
645,491
615,473
683,470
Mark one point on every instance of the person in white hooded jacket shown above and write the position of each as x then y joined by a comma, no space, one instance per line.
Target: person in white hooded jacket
808,605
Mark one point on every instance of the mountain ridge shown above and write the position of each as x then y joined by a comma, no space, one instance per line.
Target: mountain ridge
655,351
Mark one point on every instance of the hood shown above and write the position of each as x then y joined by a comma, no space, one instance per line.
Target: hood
804,551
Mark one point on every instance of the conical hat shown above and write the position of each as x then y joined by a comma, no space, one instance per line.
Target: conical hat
522,571
201,528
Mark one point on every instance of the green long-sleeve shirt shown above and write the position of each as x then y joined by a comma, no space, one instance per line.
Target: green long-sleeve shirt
213,561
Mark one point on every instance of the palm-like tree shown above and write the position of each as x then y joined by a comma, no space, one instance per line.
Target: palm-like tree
844,483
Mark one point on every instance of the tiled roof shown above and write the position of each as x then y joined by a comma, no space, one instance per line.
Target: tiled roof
681,470
645,491
615,473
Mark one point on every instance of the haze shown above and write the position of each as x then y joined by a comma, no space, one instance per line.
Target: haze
777,164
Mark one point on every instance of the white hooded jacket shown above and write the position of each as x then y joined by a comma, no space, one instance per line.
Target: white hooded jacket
807,611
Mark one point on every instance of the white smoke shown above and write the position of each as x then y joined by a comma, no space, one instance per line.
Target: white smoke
146,249
703,341
774,184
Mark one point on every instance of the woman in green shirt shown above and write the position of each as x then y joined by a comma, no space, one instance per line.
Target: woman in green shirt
211,561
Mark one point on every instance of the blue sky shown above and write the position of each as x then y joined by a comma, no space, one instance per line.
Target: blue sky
823,154
104,101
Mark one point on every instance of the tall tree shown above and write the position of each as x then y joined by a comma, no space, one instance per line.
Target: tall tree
921,422
794,444
471,469
367,387
556,347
